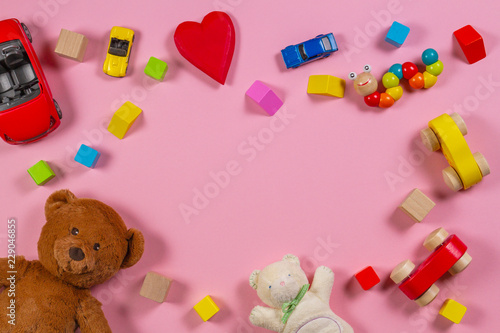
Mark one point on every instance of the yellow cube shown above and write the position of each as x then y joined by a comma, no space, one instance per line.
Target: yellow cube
326,85
123,118
206,308
453,310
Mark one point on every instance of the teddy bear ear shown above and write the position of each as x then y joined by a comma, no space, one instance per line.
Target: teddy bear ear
254,278
135,248
291,258
58,199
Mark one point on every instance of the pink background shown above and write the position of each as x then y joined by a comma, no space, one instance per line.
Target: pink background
317,188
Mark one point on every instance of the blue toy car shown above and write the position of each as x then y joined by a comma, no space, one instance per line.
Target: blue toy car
319,47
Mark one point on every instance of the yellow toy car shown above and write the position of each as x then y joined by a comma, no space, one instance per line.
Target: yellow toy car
120,44
446,132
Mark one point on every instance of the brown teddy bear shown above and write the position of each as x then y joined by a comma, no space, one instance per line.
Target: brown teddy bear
83,243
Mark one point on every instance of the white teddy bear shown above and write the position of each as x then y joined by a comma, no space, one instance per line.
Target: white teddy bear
283,286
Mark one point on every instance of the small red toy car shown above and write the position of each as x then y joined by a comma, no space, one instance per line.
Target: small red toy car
450,254
27,110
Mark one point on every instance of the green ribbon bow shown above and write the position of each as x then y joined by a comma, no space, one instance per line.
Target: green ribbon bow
288,307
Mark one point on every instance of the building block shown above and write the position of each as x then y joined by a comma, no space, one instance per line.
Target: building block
71,45
367,278
41,172
449,255
87,156
155,287
397,34
265,97
326,85
123,118
471,43
453,310
206,308
417,205
156,68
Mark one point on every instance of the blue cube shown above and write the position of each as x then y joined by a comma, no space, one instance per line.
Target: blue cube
397,34
87,156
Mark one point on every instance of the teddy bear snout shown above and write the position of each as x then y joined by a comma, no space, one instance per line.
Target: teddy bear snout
76,253
282,283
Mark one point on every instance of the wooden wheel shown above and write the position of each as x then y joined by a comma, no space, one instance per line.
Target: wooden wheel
435,238
402,271
460,123
461,264
452,179
482,163
429,139
428,296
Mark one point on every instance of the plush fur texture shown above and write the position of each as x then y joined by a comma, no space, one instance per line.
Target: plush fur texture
279,283
83,243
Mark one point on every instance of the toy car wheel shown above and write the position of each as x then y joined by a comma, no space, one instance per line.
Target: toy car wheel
435,239
452,179
27,32
402,271
429,139
461,264
460,123
428,296
482,163
58,109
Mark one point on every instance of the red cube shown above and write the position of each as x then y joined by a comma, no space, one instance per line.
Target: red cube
367,278
471,43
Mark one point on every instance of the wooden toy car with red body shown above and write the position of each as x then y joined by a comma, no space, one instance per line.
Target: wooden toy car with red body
449,254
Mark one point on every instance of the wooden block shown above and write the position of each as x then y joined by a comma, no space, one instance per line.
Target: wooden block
367,278
206,308
417,205
265,97
471,43
71,45
453,310
41,172
156,68
123,118
155,287
326,85
87,156
397,34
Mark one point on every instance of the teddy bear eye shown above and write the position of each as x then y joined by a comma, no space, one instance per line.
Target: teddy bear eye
75,231
97,246
269,287
289,274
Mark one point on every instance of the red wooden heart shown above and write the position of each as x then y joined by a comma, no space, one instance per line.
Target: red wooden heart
209,45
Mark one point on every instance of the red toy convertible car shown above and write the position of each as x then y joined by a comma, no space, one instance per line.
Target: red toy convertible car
27,110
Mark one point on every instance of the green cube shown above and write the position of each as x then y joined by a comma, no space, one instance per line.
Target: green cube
156,68
41,172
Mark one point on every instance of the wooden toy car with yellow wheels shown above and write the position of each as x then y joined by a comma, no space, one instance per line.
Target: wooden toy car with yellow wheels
120,44
446,132
449,254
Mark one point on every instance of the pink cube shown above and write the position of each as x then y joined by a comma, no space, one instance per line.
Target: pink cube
265,97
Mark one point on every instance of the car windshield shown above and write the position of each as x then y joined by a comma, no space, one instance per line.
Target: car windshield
326,43
18,81
118,47
302,52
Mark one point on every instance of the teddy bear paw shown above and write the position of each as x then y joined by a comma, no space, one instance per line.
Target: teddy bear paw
325,269
256,315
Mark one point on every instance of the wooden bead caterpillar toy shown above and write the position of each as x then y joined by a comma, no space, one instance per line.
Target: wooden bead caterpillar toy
366,84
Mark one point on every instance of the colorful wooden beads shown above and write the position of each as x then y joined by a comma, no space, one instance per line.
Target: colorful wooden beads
366,85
